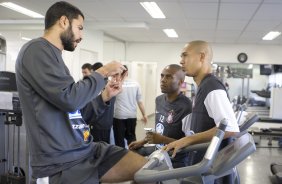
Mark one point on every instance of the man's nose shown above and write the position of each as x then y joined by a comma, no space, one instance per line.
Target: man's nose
181,61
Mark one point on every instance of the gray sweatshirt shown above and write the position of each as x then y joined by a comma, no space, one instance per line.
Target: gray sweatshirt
50,99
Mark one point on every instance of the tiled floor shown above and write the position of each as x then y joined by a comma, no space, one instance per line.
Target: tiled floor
256,169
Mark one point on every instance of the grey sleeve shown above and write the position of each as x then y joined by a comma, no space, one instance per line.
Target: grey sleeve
138,94
48,76
94,109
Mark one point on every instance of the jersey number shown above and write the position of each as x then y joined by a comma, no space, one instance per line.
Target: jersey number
162,118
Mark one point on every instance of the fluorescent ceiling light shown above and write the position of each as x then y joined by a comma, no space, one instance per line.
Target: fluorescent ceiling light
21,9
271,35
170,33
153,9
26,38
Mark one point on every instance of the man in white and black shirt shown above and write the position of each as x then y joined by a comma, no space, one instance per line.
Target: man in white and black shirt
211,103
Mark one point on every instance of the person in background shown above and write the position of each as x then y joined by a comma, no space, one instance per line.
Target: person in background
98,114
211,103
60,145
86,69
96,66
125,112
171,116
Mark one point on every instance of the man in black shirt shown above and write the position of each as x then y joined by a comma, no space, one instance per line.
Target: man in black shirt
171,116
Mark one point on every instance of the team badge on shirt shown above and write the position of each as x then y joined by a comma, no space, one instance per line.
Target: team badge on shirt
160,128
86,135
79,125
75,115
170,116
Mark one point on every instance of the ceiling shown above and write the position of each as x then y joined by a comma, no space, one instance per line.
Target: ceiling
216,21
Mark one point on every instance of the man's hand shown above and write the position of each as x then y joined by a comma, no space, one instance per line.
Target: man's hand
144,120
176,145
154,138
111,69
112,89
136,144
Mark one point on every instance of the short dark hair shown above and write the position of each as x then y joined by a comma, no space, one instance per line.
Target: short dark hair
87,65
59,9
96,66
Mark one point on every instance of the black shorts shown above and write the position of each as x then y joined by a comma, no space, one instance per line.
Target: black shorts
90,170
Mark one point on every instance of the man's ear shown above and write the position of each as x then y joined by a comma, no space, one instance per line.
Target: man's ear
202,56
181,82
64,22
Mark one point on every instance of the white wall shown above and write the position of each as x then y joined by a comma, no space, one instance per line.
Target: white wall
114,50
223,53
167,53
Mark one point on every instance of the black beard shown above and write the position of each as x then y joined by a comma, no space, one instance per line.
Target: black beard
67,39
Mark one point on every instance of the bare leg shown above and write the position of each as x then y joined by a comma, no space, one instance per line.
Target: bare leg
125,169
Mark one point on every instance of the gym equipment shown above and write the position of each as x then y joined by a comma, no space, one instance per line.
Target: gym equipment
266,132
10,107
148,174
250,120
276,170
214,164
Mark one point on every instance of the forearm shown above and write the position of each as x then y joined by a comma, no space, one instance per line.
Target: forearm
206,136
229,134
142,108
201,137
95,109
167,140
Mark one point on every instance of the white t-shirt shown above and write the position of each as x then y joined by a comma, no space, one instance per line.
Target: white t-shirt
126,101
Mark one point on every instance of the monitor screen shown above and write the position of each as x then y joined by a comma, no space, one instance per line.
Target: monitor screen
277,68
265,69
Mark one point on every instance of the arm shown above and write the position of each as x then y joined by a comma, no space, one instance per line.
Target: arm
142,109
156,138
194,139
50,78
136,144
96,108
190,140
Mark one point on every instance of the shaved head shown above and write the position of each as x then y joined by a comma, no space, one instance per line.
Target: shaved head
196,59
202,47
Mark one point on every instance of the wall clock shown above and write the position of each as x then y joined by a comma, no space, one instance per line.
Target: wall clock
242,57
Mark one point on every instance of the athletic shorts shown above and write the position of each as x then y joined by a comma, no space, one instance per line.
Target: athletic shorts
89,171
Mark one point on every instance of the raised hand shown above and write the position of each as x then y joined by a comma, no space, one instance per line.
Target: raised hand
112,89
111,69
